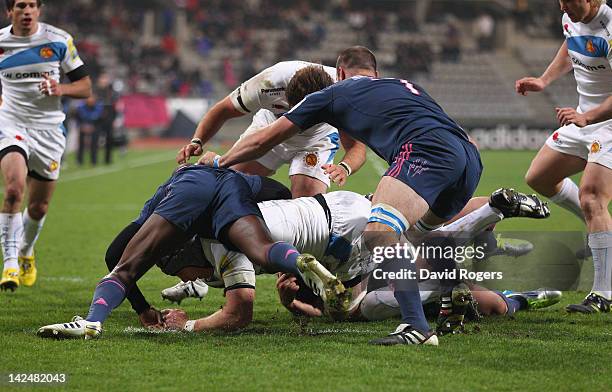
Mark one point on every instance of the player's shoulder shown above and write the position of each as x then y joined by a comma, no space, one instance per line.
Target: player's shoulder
54,33
604,18
5,33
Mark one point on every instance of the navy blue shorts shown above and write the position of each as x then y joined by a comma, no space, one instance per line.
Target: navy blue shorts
442,168
204,201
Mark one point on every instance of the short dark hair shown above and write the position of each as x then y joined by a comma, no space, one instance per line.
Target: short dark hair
11,3
306,81
357,57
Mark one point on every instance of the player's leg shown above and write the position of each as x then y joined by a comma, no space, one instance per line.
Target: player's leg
40,192
549,175
396,207
252,237
14,171
595,195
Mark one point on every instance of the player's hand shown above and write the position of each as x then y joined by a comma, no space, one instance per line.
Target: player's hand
336,173
188,151
175,318
522,86
208,159
287,286
50,87
568,116
151,319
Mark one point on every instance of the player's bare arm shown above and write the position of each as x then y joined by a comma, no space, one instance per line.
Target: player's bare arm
208,127
560,65
254,146
235,314
352,161
287,287
78,89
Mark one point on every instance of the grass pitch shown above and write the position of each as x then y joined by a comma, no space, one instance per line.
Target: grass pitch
540,351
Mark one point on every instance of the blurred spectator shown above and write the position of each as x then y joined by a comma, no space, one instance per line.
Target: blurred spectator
484,29
89,116
451,47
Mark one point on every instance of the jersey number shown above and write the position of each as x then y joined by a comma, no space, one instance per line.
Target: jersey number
410,87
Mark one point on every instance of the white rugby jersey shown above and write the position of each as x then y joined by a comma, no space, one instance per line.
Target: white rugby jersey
23,62
303,223
590,49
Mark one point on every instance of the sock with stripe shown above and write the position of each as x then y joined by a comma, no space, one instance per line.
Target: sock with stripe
568,198
109,294
11,227
283,257
31,231
601,246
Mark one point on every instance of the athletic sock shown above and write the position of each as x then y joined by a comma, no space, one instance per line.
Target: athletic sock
568,198
601,246
11,228
513,304
31,231
475,222
283,257
109,294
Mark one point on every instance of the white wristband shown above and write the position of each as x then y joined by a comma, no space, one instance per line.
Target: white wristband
189,325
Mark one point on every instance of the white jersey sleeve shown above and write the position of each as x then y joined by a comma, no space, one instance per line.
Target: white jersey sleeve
71,60
266,90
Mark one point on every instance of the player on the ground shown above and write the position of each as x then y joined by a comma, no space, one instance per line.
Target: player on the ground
584,141
328,227
211,203
310,154
434,169
32,137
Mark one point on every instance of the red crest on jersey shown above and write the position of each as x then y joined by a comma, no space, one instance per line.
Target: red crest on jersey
46,53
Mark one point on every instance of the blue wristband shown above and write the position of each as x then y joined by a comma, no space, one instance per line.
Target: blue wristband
216,162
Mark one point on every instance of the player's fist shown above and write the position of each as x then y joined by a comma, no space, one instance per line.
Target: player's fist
522,86
175,318
50,87
287,286
188,151
211,158
151,318
336,173
568,116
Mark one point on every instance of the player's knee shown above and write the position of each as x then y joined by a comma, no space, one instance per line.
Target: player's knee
13,194
37,210
534,181
592,202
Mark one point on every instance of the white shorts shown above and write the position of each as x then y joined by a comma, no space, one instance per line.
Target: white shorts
43,148
592,143
305,152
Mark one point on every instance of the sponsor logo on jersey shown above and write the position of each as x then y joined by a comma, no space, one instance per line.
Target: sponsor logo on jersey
46,52
26,75
1,51
588,67
311,159
566,28
53,166
555,138
273,91
19,137
595,147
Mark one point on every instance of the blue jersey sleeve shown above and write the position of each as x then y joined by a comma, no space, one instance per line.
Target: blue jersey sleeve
314,109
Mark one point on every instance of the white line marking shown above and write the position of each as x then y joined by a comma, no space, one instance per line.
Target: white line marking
72,279
379,167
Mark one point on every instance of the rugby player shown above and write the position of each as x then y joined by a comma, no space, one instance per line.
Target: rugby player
309,154
583,143
328,227
434,169
32,138
214,204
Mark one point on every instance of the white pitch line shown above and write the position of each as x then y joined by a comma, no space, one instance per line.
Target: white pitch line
72,279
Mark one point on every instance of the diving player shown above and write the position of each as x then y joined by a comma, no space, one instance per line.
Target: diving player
584,141
214,204
32,137
309,154
434,169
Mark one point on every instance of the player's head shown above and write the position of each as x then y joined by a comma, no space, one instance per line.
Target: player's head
356,60
581,10
306,81
24,15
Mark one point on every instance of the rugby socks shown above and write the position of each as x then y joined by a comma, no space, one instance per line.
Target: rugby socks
109,294
475,222
11,228
601,246
31,231
283,257
513,304
568,198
